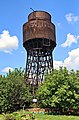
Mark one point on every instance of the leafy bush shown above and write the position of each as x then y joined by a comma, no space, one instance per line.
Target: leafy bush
10,117
60,91
14,93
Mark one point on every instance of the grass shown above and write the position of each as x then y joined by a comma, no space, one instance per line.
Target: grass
56,117
20,115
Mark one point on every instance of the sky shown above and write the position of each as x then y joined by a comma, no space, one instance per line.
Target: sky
65,16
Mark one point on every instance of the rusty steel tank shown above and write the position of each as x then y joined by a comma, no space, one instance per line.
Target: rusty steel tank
39,40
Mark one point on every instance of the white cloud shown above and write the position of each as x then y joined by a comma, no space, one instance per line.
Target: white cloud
69,40
71,62
8,43
6,70
70,17
57,64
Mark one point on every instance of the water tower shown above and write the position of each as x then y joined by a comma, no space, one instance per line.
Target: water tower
39,41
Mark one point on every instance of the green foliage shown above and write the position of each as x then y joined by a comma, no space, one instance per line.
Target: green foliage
60,90
13,91
10,117
39,116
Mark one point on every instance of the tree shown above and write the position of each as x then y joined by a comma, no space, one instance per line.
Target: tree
60,90
14,92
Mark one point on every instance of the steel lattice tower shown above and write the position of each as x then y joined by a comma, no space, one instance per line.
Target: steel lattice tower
39,41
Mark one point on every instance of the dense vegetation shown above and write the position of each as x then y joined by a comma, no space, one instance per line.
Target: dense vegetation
59,91
13,91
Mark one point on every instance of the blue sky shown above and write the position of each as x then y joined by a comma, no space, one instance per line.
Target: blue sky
65,16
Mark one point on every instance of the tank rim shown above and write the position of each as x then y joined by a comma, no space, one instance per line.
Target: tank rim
39,11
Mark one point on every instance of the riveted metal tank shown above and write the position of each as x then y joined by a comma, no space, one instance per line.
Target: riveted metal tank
39,28
39,41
